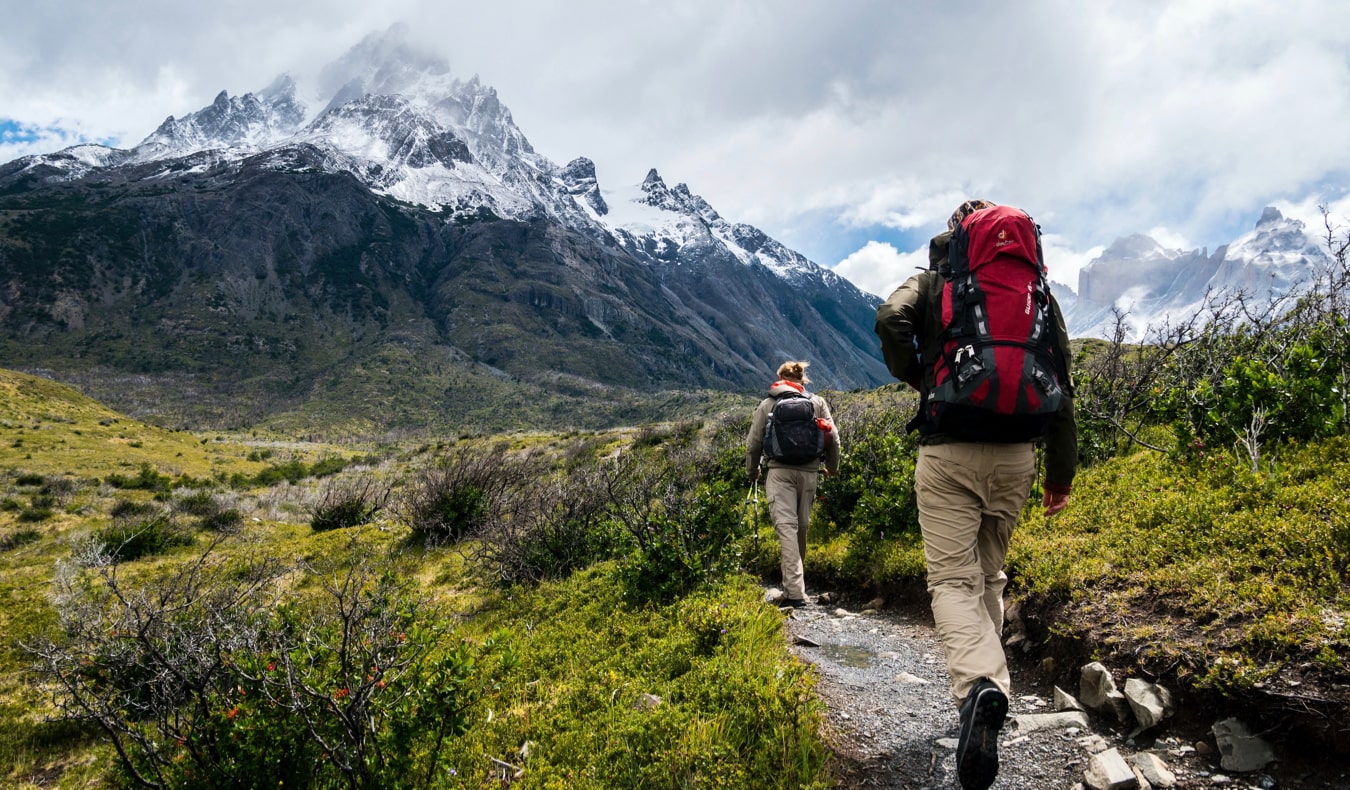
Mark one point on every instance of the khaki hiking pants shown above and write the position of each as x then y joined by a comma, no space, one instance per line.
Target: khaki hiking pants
970,496
790,493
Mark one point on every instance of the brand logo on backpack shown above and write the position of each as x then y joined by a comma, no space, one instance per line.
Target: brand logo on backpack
792,435
997,377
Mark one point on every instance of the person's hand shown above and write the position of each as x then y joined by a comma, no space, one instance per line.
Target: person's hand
1054,502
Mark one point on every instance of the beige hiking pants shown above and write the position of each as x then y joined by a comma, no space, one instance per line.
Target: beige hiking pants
790,493
969,497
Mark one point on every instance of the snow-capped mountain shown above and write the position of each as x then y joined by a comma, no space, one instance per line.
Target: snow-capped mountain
249,122
1152,284
395,206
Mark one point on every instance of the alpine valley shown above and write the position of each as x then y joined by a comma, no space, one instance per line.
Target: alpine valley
399,258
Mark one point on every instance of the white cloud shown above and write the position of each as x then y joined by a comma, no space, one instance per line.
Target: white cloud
879,267
1100,119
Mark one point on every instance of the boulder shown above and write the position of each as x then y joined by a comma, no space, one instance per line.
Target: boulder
1066,701
1153,769
1108,771
1095,687
1150,703
1239,749
1031,722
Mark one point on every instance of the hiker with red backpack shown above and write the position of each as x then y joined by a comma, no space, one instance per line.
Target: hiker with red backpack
983,341
792,434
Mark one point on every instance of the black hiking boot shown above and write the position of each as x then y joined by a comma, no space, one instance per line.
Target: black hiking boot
982,717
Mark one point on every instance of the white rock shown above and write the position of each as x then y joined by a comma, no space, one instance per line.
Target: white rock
1108,771
1031,722
1066,701
905,677
1095,687
1153,769
1151,703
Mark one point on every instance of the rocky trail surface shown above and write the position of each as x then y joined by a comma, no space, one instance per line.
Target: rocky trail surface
892,723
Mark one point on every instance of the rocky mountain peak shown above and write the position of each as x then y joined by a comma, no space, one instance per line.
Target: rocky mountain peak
1269,216
579,179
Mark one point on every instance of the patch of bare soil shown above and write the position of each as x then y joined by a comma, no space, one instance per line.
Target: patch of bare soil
893,724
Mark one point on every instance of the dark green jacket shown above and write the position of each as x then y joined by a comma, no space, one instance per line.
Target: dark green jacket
915,311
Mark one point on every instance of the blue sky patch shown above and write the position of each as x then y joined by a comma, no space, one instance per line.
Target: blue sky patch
11,131
826,241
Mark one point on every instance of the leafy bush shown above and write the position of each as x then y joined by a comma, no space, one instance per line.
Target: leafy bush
198,503
29,479
685,527
19,538
127,508
349,503
218,675
467,491
146,479
873,494
561,526
226,521
40,510
132,538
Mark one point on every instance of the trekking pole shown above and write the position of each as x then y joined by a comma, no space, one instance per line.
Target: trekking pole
754,515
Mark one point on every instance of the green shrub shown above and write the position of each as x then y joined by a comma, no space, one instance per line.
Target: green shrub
225,521
146,479
130,539
19,538
127,508
465,492
560,527
41,509
199,678
325,467
29,479
350,503
198,503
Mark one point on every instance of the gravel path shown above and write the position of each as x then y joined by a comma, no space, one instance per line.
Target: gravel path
892,723
892,720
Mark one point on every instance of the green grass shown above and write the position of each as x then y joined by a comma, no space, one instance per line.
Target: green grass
1237,576
734,709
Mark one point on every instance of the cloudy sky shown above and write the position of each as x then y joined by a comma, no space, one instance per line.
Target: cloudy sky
846,129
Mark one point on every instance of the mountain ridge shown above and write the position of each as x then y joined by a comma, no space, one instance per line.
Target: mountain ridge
239,246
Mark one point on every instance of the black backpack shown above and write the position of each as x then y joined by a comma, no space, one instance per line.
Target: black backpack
792,435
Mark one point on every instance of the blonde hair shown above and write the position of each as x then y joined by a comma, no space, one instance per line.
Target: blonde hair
794,371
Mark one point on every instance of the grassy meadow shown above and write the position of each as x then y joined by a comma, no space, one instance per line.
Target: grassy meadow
583,610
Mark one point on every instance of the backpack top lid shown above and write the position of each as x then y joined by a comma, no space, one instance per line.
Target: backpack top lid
1001,231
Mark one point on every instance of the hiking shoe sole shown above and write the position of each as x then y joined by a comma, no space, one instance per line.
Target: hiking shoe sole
977,750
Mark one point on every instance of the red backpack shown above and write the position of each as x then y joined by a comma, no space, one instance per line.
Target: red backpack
999,377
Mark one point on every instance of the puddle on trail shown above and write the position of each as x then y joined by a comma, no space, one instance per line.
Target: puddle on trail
849,656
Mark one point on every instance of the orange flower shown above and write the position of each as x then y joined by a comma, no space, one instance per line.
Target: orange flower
233,712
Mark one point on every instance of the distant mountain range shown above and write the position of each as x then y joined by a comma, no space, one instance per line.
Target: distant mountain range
400,255
1150,284
395,255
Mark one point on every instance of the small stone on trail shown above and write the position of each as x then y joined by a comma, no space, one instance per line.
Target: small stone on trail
805,642
905,677
1066,701
948,743
1108,771
1031,722
1153,769
1239,750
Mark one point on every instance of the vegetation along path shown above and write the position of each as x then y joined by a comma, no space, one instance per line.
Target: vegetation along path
891,722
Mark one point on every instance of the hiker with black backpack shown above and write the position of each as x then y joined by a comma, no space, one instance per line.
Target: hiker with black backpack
983,341
791,435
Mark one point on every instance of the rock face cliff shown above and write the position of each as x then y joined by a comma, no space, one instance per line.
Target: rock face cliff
1149,283
401,251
